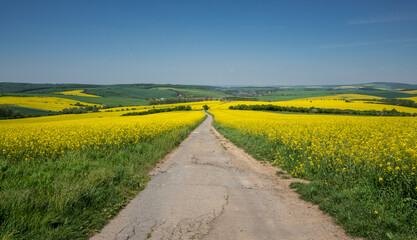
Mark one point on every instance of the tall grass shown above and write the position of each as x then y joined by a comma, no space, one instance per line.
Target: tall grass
74,196
363,210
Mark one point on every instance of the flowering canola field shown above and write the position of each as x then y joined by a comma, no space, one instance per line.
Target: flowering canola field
411,98
410,92
344,97
77,93
48,137
193,105
46,103
382,150
324,103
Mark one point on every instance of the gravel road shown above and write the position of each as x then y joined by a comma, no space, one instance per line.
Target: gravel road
210,189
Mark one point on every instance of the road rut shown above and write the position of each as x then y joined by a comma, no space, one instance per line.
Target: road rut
210,189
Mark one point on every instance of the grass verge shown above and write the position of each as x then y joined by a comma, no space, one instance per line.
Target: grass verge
361,209
76,195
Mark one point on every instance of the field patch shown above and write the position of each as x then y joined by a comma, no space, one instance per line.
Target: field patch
193,105
411,98
131,92
64,177
77,93
197,93
49,137
344,97
328,104
362,169
410,92
45,103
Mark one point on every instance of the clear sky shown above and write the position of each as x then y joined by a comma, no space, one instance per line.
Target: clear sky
208,42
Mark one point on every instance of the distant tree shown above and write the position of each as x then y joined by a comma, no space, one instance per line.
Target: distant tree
5,111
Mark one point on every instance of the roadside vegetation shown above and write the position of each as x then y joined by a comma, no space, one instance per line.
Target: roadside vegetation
362,169
65,177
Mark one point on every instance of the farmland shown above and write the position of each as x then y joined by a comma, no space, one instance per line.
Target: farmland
45,103
325,103
77,93
66,175
361,168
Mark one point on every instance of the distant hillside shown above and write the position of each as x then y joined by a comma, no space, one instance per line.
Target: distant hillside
8,87
392,85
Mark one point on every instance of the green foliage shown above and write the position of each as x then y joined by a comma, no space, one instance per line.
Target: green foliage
396,102
12,112
5,111
32,111
74,196
81,109
361,208
113,102
130,92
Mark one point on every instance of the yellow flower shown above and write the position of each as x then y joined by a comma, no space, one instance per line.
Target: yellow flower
381,179
376,212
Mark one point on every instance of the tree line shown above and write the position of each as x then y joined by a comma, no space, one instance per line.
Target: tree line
394,101
159,110
173,100
274,108
79,110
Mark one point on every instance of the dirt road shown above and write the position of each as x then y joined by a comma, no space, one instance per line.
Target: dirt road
210,189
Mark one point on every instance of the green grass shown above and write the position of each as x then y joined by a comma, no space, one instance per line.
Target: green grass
25,110
351,203
131,92
194,93
113,102
285,95
74,196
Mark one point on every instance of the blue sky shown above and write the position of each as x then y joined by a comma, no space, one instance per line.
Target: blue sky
208,42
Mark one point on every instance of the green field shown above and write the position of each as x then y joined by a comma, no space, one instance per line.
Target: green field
131,92
110,101
196,93
290,94
32,111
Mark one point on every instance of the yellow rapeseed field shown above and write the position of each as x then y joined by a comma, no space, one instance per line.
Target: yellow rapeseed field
382,148
48,137
344,97
193,105
411,98
77,93
410,92
323,103
45,103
